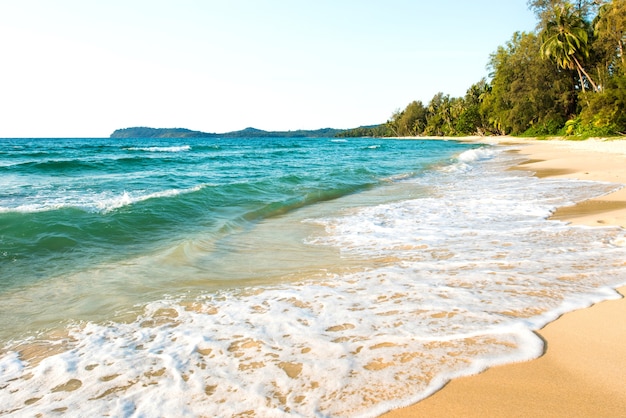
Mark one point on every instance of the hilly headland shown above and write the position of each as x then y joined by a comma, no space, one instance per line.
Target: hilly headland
146,132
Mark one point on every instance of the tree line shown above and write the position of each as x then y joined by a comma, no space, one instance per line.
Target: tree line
568,77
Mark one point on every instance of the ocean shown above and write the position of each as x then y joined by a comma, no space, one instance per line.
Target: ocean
277,277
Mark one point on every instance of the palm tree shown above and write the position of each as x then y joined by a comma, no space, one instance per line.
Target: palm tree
565,40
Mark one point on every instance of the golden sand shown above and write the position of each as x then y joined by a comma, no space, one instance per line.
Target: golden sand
583,370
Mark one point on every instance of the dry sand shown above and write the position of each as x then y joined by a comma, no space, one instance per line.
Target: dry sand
583,370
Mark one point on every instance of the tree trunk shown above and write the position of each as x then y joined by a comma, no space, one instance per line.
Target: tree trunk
581,69
580,77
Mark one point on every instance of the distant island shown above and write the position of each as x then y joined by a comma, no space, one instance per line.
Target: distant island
145,132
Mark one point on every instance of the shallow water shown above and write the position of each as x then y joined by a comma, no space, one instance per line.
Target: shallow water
331,279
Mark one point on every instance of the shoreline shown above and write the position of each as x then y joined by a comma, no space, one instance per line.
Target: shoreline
583,366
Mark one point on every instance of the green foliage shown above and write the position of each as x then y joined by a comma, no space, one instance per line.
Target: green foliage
472,119
527,93
576,129
565,40
439,118
610,36
545,128
605,112
366,131
564,37
543,8
408,122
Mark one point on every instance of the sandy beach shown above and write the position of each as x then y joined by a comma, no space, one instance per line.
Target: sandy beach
581,373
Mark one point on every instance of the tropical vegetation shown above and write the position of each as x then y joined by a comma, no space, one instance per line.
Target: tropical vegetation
568,77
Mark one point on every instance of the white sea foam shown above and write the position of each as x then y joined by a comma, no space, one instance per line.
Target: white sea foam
98,202
476,154
450,284
107,204
465,161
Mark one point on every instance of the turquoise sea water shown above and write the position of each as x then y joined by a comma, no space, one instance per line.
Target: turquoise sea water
70,206
274,277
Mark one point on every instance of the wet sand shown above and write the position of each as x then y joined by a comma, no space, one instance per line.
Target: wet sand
583,370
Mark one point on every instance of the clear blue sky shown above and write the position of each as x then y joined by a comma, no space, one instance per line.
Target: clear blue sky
87,67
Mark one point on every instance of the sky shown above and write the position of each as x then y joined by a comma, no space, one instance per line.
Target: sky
84,68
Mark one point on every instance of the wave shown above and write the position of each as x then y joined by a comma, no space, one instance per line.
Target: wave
53,165
177,148
476,154
97,203
466,160
98,169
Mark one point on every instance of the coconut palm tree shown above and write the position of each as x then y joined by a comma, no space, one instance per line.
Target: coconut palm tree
565,41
